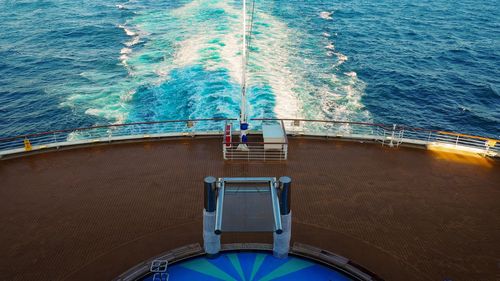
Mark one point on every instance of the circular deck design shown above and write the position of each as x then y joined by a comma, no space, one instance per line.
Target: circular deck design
248,266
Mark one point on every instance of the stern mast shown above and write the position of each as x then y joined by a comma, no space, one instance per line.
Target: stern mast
243,107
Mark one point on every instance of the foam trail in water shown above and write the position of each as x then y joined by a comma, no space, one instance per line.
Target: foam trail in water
198,34
186,63
305,84
268,64
127,31
326,15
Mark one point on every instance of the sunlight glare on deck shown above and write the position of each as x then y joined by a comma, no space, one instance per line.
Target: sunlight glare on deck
460,156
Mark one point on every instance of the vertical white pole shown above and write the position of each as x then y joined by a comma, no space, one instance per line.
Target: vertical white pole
243,117
243,109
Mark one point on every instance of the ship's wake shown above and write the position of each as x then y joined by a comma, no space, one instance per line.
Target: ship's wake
185,62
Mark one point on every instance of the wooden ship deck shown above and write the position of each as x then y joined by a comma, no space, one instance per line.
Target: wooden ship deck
91,213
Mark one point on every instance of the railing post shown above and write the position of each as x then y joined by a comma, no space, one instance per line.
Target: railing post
391,144
295,126
190,125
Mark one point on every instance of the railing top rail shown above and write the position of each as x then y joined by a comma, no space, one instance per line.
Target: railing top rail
468,136
253,142
446,133
110,126
383,126
284,130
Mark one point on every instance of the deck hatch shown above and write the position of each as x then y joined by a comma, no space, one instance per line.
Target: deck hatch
248,205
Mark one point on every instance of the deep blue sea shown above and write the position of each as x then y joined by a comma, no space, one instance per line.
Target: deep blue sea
432,64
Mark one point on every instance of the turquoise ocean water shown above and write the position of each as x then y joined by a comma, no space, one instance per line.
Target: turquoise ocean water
67,64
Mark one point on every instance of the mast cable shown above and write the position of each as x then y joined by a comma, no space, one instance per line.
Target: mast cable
251,30
245,53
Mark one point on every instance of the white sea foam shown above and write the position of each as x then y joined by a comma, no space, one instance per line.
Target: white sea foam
124,55
125,51
128,96
93,111
121,7
135,40
161,72
123,59
351,74
199,39
341,58
326,15
187,9
127,30
187,51
119,117
216,45
203,40
111,109
231,54
232,50
272,61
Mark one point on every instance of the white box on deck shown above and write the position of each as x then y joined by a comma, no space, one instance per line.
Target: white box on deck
273,133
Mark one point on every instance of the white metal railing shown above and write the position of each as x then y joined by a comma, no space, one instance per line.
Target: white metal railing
391,135
110,133
256,150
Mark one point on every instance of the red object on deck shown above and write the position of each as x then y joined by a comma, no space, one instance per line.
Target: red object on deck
227,135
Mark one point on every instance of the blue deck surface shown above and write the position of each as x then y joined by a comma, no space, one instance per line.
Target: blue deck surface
250,266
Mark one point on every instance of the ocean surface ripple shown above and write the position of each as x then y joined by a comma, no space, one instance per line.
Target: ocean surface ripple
431,64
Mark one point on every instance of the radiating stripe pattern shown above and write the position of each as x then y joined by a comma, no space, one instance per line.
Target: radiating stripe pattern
251,266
